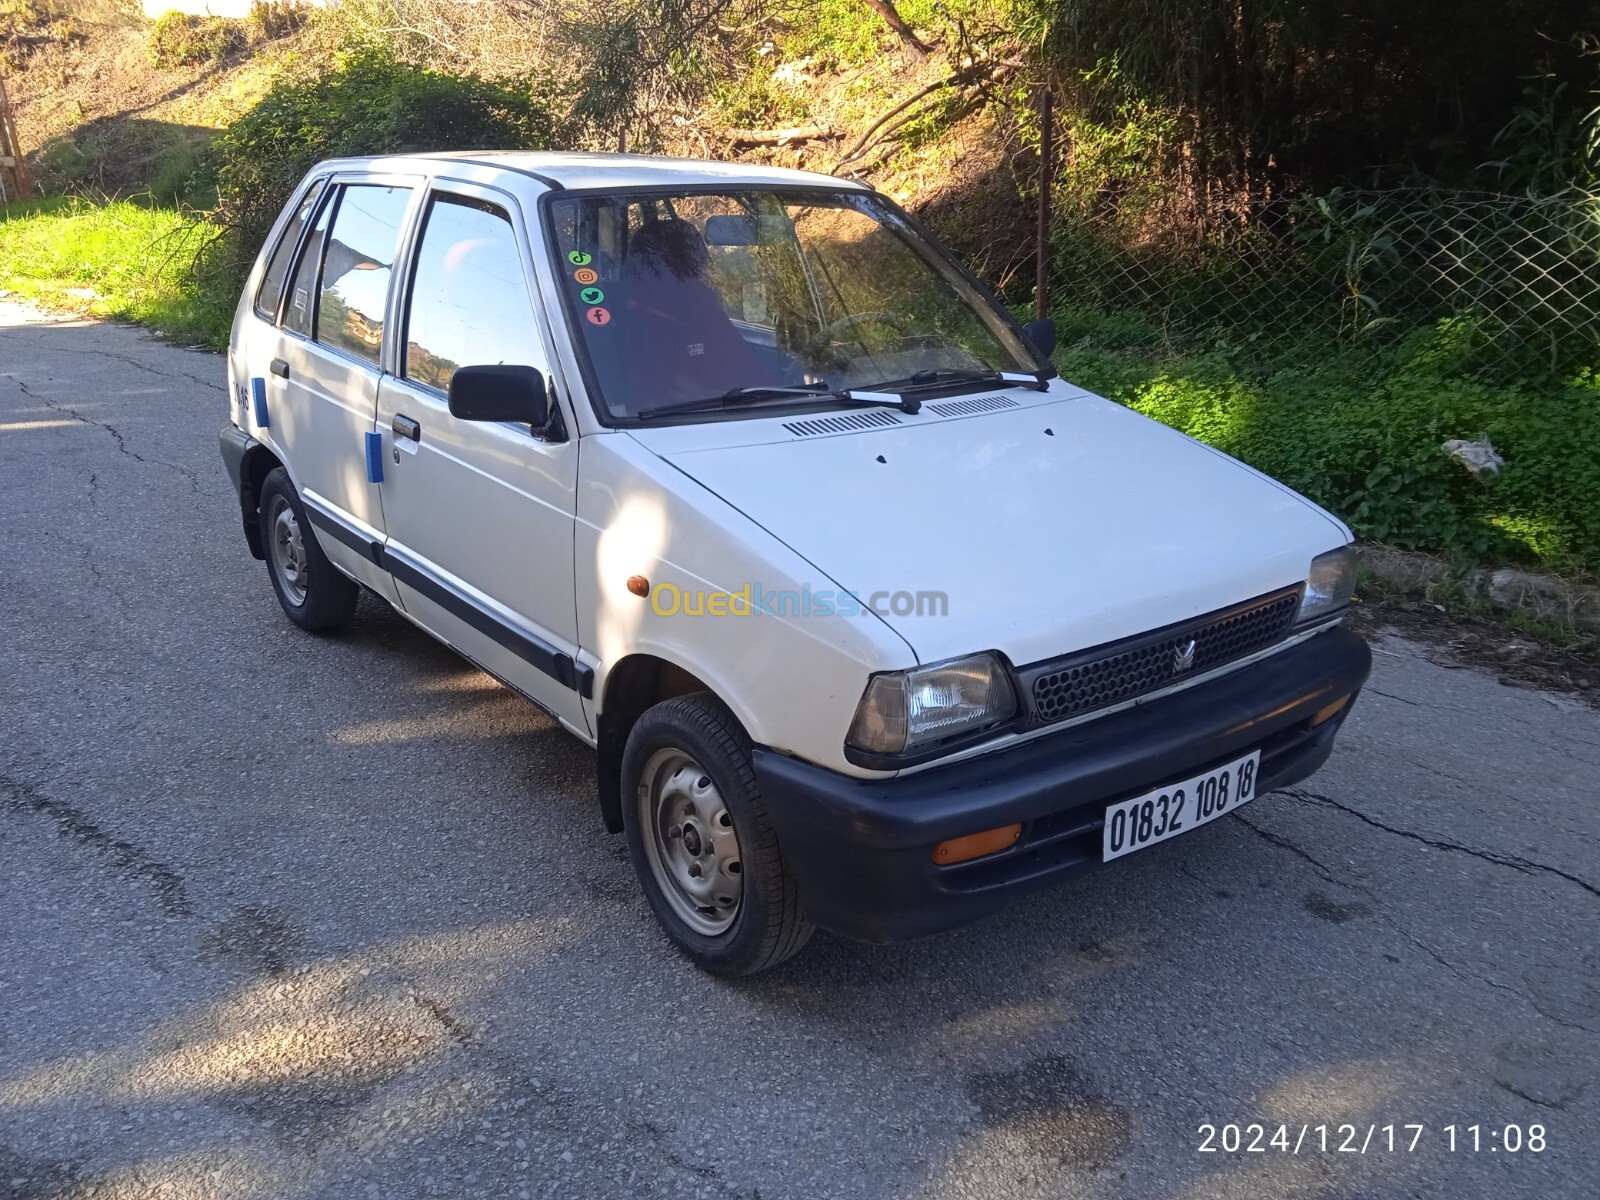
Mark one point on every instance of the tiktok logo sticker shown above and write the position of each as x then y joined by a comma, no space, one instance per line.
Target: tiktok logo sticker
579,259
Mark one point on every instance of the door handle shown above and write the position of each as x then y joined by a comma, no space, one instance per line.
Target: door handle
279,368
405,427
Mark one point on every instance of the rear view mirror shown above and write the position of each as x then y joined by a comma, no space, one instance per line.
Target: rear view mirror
1042,333
500,393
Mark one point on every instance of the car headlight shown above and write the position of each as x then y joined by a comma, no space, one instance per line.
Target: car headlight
1329,584
902,712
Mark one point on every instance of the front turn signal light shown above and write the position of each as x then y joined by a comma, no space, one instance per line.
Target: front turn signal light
976,845
1329,711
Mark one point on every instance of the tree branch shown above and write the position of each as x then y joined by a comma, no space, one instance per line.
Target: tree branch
891,16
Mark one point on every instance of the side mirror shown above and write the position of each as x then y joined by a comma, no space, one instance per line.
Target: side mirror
1042,333
500,393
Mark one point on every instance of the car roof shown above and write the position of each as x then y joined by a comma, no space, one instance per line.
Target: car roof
570,169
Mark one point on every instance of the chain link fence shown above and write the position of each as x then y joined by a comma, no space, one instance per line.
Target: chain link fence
1511,282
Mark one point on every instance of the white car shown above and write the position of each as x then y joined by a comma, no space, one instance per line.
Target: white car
874,622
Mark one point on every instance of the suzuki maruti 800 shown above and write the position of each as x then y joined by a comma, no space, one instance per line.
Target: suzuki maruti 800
874,622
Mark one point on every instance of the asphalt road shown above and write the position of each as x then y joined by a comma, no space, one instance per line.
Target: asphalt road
285,916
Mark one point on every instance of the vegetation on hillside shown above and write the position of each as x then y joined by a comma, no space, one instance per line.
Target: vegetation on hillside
1221,260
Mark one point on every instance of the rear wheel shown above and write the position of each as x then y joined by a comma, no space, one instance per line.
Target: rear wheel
702,846
314,593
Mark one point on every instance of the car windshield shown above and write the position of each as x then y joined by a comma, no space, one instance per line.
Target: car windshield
691,297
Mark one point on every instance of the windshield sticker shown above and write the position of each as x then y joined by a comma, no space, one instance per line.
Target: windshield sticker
586,275
599,316
592,295
579,259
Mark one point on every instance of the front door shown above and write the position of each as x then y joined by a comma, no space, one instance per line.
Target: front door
480,514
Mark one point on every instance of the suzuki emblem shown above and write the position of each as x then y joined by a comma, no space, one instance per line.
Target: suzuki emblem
1183,658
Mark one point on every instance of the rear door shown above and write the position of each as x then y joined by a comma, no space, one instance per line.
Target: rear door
323,383
480,514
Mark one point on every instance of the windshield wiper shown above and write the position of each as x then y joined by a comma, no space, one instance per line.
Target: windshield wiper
749,395
731,397
945,377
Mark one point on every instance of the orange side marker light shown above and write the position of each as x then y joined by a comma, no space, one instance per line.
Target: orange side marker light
976,845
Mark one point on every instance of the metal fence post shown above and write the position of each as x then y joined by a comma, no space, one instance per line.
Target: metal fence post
1041,238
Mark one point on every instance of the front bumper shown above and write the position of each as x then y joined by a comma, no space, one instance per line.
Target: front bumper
862,848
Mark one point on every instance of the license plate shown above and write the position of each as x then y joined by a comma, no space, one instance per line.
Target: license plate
1179,807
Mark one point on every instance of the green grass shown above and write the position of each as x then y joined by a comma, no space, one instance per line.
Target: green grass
1361,433
118,259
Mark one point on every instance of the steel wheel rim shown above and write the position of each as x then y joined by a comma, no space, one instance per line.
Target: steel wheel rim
690,842
288,550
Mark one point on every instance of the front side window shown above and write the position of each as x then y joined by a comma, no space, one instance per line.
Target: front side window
357,262
271,293
470,304
683,298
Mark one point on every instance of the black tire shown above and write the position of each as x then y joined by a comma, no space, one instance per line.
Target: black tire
768,925
314,593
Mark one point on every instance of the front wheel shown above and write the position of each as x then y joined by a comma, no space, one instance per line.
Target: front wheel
702,846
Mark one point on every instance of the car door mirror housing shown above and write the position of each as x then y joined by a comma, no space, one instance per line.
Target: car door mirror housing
500,393
1042,333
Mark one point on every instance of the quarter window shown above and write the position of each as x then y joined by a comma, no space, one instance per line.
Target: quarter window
271,294
302,307
358,260
470,303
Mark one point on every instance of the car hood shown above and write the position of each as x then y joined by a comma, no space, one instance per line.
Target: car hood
1058,522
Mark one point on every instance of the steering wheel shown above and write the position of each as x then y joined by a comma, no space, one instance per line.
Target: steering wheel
820,346
846,324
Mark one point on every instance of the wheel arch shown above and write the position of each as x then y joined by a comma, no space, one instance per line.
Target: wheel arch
632,686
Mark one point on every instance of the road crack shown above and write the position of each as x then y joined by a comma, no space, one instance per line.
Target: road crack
67,410
137,365
1328,875
1516,862
125,858
1294,848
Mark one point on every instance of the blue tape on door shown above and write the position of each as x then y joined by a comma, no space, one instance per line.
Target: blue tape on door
374,457
258,393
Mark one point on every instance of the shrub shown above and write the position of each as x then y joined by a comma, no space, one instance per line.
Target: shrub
270,19
371,104
180,40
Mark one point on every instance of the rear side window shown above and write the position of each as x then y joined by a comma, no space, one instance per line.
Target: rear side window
270,295
470,305
357,262
302,307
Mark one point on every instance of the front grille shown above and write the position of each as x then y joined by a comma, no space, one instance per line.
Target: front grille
1121,671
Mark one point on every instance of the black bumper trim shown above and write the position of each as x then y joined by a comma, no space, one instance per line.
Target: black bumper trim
861,848
237,446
